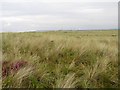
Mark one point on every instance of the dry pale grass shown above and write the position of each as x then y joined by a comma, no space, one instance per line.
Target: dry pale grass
62,59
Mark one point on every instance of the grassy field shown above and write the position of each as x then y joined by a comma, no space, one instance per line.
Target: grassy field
60,59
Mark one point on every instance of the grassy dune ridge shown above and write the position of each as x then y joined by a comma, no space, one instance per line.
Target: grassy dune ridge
60,59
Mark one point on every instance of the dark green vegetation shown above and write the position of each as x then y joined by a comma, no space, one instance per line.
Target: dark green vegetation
61,59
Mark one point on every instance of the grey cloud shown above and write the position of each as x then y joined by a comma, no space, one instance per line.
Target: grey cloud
91,15
51,8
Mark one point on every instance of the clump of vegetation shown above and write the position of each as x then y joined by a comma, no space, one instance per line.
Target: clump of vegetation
12,68
72,59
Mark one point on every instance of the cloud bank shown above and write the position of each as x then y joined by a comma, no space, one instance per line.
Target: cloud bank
25,15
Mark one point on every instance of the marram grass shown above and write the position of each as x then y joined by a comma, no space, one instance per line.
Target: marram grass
61,59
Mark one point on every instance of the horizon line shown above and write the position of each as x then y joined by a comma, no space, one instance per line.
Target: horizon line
59,30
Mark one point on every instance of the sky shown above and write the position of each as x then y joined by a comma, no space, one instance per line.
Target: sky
32,15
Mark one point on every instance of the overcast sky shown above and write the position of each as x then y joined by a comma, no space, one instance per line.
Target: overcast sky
28,15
